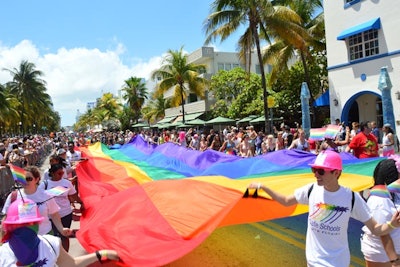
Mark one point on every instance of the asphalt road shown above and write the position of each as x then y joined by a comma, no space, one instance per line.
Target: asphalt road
271,243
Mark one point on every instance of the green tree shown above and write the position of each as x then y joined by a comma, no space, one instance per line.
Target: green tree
156,107
287,88
282,51
108,107
237,93
135,94
177,73
30,91
256,16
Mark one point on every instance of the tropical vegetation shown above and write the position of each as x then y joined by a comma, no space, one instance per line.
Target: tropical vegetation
182,77
19,114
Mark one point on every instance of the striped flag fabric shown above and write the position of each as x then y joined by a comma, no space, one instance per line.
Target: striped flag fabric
18,174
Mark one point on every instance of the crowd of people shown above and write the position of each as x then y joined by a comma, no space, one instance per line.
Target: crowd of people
361,139
35,229
44,236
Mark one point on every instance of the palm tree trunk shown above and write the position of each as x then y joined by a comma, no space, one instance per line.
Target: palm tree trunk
183,106
268,128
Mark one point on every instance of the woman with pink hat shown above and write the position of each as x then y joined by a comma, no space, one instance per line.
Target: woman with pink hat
24,247
330,208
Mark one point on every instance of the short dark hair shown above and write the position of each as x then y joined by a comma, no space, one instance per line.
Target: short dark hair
363,125
385,172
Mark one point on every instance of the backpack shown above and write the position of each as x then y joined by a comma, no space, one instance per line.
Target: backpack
352,196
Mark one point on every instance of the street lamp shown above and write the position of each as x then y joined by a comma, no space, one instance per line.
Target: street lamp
34,128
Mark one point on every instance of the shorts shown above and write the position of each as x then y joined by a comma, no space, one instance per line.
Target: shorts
373,251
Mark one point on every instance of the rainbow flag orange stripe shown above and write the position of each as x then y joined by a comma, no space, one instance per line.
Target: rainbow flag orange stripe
18,174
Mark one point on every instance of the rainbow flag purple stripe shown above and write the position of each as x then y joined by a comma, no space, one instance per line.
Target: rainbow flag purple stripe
380,191
394,187
18,174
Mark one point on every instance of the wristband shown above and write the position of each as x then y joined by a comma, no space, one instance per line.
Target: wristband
393,261
390,224
101,255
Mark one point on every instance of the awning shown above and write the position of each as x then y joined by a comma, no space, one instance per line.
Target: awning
193,116
323,100
188,117
369,25
166,120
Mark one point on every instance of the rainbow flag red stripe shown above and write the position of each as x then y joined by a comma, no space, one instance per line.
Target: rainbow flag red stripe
380,191
18,174
394,187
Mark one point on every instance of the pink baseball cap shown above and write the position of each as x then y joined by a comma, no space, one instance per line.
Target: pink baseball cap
328,159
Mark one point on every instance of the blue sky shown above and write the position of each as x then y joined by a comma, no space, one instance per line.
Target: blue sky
87,48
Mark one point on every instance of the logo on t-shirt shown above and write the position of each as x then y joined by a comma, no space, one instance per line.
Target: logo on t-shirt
324,217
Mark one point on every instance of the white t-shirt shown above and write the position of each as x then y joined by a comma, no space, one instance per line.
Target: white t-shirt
46,204
328,220
49,250
371,245
61,200
76,156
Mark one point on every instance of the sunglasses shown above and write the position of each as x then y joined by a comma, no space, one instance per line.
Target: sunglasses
319,171
29,178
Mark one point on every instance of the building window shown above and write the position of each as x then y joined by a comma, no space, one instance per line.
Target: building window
363,44
348,3
220,66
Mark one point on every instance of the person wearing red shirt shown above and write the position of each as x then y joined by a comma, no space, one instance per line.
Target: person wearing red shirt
364,144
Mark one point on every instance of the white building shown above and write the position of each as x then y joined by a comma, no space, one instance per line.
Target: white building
362,38
214,61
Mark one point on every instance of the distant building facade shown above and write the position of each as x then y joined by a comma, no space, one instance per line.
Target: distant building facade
362,38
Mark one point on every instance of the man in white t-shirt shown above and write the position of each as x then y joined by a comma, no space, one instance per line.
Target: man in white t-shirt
330,208
72,154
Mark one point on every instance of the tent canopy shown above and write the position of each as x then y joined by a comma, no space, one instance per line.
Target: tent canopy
220,120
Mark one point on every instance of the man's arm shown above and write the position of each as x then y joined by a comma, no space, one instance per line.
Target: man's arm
384,228
282,199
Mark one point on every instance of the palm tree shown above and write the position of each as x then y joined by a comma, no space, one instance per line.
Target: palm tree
108,107
184,77
29,89
136,94
256,16
156,107
282,51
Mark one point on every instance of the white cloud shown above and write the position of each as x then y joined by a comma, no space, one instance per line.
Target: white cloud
77,76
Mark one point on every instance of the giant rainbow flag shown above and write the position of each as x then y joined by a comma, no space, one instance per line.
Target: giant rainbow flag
154,204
